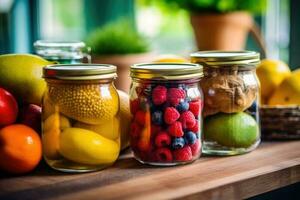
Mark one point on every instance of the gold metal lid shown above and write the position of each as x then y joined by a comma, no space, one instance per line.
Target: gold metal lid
80,71
166,71
226,58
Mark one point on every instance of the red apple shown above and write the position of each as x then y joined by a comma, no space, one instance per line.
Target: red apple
8,108
31,116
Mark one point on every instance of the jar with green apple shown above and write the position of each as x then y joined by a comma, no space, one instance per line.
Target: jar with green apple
166,104
231,101
63,52
80,117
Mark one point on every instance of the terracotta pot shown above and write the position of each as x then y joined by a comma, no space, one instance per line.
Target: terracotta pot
222,31
123,63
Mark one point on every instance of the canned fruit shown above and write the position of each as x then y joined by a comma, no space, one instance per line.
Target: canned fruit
52,128
50,141
109,129
87,147
231,130
87,103
56,120
162,124
228,93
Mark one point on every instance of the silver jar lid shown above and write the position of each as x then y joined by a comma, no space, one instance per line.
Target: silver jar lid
226,58
166,71
80,71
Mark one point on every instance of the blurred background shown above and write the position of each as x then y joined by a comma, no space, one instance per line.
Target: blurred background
160,27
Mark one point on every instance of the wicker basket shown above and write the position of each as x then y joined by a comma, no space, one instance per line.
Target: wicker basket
280,122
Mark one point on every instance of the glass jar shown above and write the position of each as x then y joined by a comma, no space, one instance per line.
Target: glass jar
64,52
80,117
231,101
166,104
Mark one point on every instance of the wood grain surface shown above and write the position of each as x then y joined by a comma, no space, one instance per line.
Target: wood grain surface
271,166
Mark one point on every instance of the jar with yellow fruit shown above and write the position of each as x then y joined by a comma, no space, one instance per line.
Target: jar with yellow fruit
80,118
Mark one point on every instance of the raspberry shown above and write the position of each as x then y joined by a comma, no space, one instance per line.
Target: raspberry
178,143
195,107
171,115
162,139
175,95
187,119
163,155
195,128
196,147
134,106
140,117
159,95
135,130
175,129
157,117
183,154
155,129
190,137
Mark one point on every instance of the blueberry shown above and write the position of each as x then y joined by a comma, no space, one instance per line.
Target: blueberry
178,143
183,106
190,137
157,117
253,107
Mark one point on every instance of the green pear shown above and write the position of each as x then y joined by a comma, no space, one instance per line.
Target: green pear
21,74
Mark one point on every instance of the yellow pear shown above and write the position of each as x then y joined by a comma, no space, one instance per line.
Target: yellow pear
288,92
169,58
125,118
21,74
270,74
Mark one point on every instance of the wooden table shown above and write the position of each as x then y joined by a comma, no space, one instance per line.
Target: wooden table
271,166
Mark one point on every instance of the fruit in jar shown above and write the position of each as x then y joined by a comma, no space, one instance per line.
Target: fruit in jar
271,73
288,92
20,149
87,147
30,115
85,102
231,130
8,108
52,128
125,119
163,124
21,74
109,129
169,58
56,120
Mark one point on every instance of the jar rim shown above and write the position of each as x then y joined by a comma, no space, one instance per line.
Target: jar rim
80,71
226,58
166,71
58,43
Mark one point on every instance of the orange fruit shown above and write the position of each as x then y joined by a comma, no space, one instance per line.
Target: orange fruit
20,149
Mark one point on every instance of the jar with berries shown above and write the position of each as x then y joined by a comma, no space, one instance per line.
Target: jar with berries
166,104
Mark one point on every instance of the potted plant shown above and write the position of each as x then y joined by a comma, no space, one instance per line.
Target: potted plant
118,43
222,24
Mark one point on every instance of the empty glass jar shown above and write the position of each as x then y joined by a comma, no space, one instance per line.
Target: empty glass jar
80,117
231,100
166,104
64,52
